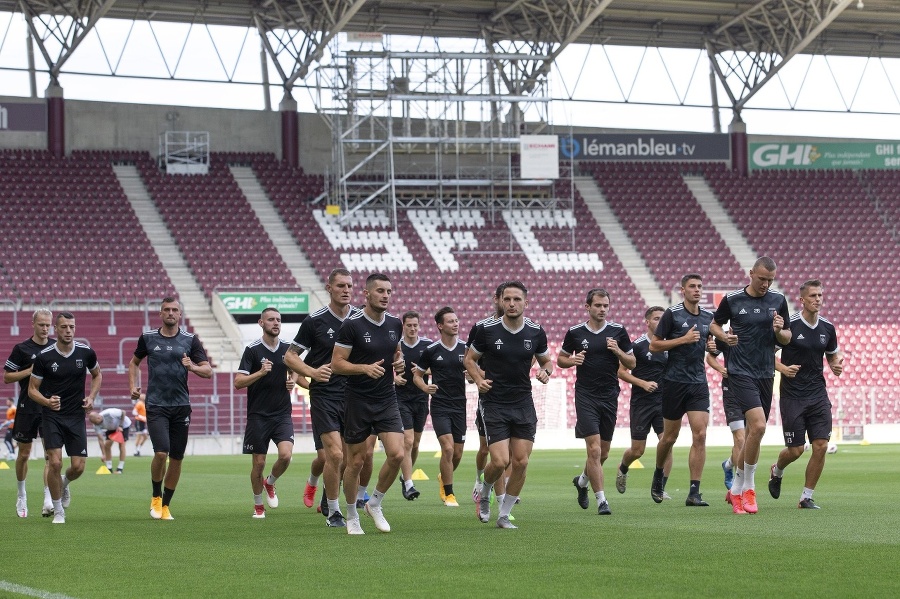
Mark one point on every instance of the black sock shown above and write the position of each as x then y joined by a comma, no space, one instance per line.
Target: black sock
167,496
623,468
658,474
665,480
448,489
157,488
695,487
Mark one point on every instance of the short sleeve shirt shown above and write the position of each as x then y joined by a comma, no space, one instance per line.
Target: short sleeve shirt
168,384
21,358
686,362
317,335
751,320
268,396
412,354
808,346
369,342
597,376
650,367
65,375
506,359
447,372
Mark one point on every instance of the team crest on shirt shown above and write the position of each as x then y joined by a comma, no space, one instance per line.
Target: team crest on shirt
528,344
79,364
54,367
461,356
392,335
822,339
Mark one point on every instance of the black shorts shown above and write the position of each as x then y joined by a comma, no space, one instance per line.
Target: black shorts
27,427
260,430
449,422
479,423
327,414
363,419
502,422
125,432
733,411
595,416
168,428
680,398
751,393
646,414
805,417
140,426
413,414
66,431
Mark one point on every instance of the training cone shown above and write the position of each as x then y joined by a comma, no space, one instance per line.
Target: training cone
438,454
636,465
419,474
3,466
864,442
103,470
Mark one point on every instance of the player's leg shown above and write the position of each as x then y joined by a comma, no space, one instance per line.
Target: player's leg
54,476
698,421
389,427
755,429
334,464
406,468
519,454
365,474
481,457
445,440
258,465
158,429
354,457
671,429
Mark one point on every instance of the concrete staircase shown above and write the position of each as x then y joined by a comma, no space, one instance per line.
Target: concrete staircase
281,236
223,351
621,244
726,228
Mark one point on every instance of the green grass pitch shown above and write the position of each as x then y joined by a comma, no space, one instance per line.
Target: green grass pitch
110,548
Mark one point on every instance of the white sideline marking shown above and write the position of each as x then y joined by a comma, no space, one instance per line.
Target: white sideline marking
30,592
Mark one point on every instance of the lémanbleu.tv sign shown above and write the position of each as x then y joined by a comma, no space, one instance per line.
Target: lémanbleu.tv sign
654,146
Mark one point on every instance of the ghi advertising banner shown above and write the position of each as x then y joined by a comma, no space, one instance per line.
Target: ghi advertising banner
253,303
825,155
654,146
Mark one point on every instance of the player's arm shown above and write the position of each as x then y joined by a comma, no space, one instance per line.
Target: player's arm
134,374
658,345
202,369
625,375
96,381
719,333
419,381
18,375
543,375
626,359
341,364
245,379
35,395
567,360
713,363
470,361
836,362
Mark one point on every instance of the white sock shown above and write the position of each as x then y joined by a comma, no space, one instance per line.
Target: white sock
749,472
57,506
478,475
501,498
777,471
583,480
65,481
121,464
312,481
375,499
21,485
729,463
486,490
601,497
351,511
508,502
47,499
109,464
271,479
257,499
737,486
334,505
807,493
407,484
361,493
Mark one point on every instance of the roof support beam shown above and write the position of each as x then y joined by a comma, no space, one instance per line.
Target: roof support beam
749,50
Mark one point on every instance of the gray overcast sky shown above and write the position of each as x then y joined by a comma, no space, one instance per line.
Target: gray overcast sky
625,81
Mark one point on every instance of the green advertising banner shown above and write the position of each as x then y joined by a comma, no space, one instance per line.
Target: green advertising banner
254,303
827,155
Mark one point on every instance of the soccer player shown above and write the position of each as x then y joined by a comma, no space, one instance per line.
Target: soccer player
508,346
444,358
597,349
316,336
412,401
366,350
269,382
757,316
646,399
27,426
734,417
57,383
682,331
107,423
481,457
805,408
140,424
171,354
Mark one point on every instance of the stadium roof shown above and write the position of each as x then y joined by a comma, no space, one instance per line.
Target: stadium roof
863,27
